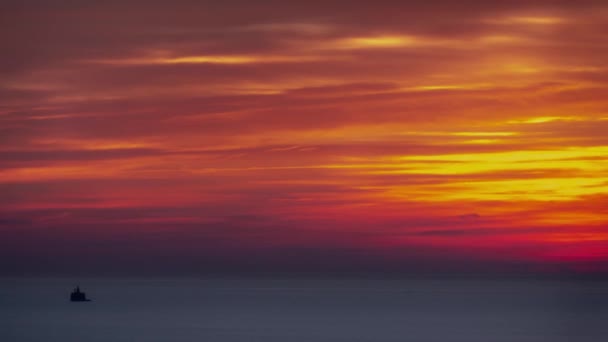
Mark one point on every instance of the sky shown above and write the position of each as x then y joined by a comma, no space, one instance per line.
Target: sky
189,137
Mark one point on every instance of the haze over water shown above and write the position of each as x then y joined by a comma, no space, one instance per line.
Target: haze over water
304,310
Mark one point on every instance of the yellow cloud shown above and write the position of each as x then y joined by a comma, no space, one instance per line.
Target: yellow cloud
206,59
541,20
376,42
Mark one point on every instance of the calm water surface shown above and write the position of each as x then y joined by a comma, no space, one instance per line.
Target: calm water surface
306,310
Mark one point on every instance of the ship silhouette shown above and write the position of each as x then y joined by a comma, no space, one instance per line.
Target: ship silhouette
78,296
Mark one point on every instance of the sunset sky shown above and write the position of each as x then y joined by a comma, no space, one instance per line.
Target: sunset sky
306,136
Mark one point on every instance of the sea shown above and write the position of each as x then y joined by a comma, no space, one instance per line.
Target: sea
304,309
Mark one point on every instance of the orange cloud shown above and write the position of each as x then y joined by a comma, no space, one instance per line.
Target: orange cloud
273,126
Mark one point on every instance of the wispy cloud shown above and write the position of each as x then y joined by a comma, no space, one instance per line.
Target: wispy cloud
436,127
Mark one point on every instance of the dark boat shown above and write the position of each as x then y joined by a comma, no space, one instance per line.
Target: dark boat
78,296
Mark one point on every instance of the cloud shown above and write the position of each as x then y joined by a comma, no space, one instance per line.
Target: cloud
472,216
368,134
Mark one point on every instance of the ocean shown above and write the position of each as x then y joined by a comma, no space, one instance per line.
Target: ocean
303,309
